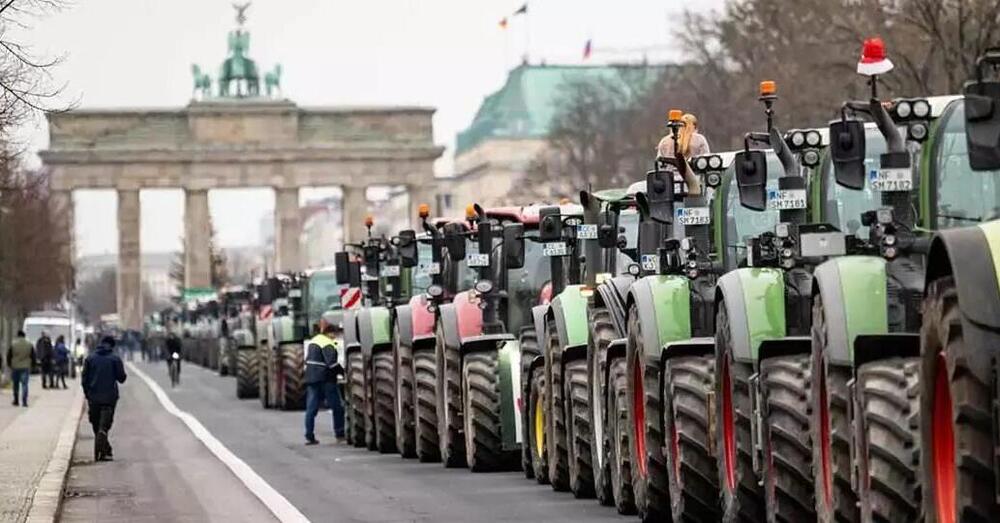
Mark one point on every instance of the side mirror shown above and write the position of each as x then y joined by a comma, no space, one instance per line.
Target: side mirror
982,124
847,148
513,245
607,230
660,195
407,248
454,241
550,224
342,269
751,179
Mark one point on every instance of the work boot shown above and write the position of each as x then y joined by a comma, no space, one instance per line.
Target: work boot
313,441
15,403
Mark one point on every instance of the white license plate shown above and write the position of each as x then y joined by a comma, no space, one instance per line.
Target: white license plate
694,216
782,200
650,262
390,270
587,231
554,249
368,277
433,268
891,180
477,260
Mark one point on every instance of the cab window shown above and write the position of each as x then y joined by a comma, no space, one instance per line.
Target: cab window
964,197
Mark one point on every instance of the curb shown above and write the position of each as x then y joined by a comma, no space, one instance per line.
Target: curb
46,502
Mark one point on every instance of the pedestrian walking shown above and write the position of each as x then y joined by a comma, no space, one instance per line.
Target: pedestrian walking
21,358
61,361
690,143
321,374
103,370
43,348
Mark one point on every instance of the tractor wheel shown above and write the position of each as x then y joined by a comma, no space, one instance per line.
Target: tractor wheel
404,408
888,407
742,497
602,333
577,406
788,489
262,385
356,398
483,419
956,420
831,429
384,402
528,341
618,437
555,414
649,471
536,427
246,374
293,374
425,375
688,382
371,436
449,401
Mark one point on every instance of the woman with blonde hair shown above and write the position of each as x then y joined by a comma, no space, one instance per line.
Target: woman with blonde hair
691,143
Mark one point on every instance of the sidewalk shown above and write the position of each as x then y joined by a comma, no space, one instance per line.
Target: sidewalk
33,457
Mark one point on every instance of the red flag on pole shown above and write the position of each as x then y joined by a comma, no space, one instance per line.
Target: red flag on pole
503,23
587,49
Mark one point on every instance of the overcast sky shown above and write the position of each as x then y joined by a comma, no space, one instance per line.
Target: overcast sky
447,54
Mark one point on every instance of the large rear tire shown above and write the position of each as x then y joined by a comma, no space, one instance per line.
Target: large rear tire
688,382
449,401
555,437
788,489
356,398
888,439
618,435
483,418
528,342
536,428
581,462
602,333
835,498
404,410
246,374
262,385
649,471
955,413
384,388
742,496
425,374
293,376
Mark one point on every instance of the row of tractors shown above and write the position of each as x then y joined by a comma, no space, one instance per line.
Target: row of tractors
810,332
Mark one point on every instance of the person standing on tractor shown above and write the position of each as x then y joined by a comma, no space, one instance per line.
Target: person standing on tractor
102,372
60,360
691,143
20,360
322,370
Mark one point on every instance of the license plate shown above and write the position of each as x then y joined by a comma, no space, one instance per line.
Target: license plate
368,277
390,270
650,262
477,260
891,180
782,200
587,231
693,216
434,268
554,249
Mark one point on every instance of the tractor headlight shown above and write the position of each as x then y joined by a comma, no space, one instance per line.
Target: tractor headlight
904,109
883,216
484,286
921,109
634,269
810,158
813,138
798,139
781,230
918,132
787,263
701,163
435,291
715,162
889,240
714,180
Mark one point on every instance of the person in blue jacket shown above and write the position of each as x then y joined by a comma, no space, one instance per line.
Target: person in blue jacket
60,359
103,370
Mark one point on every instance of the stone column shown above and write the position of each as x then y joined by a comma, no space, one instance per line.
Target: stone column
287,230
355,207
197,240
129,267
61,203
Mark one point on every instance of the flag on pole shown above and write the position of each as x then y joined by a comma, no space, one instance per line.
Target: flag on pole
587,49
503,23
522,10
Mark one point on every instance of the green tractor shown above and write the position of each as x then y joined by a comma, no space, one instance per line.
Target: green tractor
238,333
286,332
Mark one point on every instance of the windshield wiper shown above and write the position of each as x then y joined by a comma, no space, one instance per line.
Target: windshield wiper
961,218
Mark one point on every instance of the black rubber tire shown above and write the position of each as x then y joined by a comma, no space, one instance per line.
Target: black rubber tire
404,408
971,396
528,342
263,392
425,406
888,439
788,489
602,333
618,432
246,374
356,398
293,374
536,402
649,469
743,500
842,506
449,402
483,418
371,434
576,390
384,392
555,412
688,382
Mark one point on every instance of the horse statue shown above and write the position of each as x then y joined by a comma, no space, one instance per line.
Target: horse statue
202,82
272,81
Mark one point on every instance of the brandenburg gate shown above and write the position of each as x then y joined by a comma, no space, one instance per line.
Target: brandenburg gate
235,137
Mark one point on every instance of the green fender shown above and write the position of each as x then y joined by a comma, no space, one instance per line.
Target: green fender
510,394
853,289
665,302
570,312
374,327
754,299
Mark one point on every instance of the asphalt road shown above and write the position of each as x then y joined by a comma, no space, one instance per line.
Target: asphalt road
328,482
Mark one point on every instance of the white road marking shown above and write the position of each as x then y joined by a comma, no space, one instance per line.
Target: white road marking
274,501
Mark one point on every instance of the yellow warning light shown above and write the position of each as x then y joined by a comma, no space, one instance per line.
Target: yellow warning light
768,87
424,210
